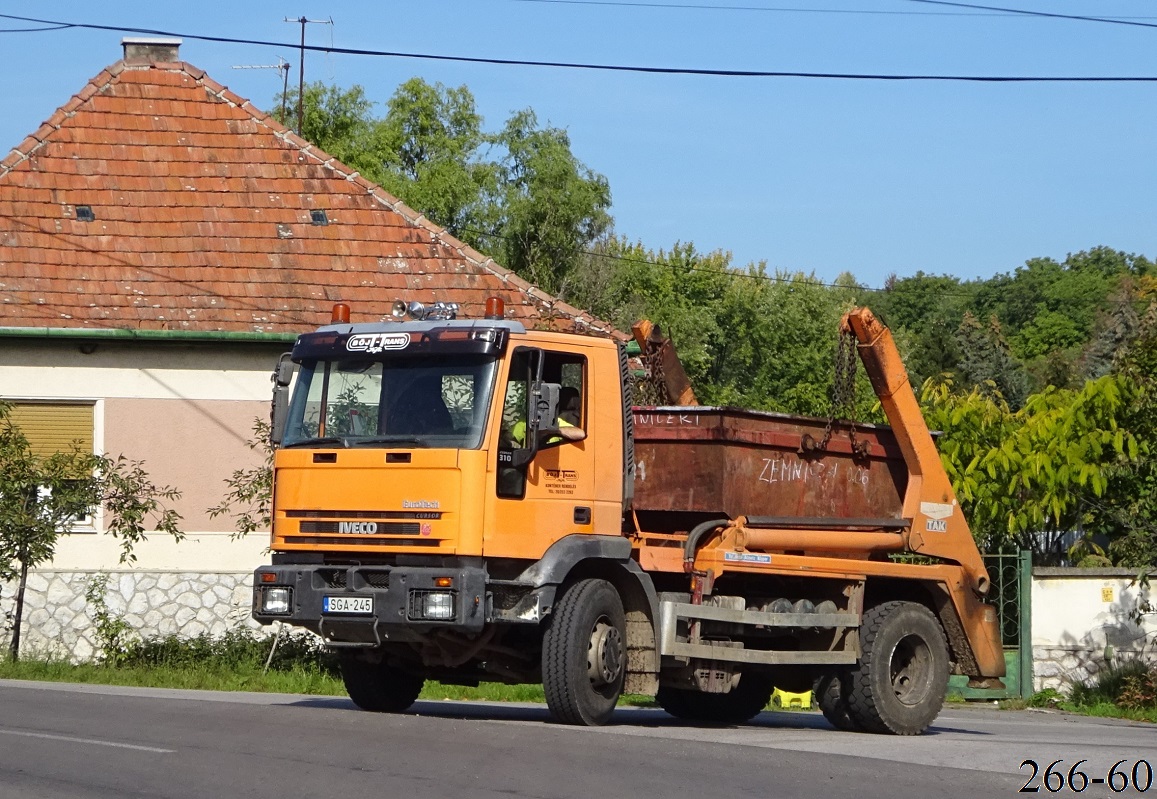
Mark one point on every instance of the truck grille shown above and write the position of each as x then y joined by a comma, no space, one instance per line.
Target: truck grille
362,528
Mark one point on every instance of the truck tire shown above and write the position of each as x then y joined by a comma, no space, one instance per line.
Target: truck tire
899,684
584,654
379,687
742,703
829,694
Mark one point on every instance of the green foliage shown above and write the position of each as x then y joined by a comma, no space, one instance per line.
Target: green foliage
238,649
924,312
1139,689
114,635
519,193
1049,697
746,337
985,360
1026,477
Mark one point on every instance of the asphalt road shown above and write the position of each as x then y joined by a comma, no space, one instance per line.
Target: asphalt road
83,742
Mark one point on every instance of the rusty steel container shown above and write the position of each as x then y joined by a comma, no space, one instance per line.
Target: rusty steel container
733,462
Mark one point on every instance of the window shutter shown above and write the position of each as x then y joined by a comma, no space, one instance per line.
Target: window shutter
52,427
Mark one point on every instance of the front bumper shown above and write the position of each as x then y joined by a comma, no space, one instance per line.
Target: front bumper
369,605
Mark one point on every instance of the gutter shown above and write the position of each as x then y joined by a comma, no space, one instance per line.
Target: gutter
125,334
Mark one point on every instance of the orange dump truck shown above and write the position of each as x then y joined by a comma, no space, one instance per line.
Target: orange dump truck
470,500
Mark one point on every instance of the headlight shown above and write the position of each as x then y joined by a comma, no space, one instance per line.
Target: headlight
431,605
276,600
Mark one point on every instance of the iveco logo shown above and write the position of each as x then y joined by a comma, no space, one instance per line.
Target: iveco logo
371,343
357,528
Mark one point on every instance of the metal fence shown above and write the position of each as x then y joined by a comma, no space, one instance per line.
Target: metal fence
1011,595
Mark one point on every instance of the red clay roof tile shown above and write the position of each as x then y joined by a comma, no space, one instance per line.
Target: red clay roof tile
202,222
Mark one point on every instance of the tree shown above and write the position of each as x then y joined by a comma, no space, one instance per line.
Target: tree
519,193
924,312
41,497
745,336
1026,478
550,205
1132,499
985,360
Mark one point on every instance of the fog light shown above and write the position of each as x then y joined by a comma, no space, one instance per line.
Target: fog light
276,600
426,605
438,605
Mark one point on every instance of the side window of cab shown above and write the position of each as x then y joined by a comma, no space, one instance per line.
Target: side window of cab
566,369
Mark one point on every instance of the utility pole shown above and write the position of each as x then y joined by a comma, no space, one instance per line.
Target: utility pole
301,66
281,66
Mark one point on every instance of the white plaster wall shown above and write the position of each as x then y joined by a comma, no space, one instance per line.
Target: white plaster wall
1076,614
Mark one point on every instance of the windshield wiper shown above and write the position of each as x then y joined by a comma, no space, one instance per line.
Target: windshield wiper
313,442
358,442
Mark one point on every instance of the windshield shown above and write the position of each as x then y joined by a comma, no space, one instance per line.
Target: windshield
400,402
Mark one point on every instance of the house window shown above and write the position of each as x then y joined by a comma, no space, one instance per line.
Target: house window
52,427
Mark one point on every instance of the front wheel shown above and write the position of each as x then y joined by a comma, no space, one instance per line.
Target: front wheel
899,684
584,654
379,687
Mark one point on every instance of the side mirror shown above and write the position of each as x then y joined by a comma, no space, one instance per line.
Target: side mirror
545,411
279,412
284,371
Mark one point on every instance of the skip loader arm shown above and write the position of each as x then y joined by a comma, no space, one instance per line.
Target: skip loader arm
938,528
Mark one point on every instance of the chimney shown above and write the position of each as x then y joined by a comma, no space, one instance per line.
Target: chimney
149,51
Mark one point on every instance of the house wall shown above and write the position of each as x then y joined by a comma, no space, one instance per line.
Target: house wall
1076,614
185,410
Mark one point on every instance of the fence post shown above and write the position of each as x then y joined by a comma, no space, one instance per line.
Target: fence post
1025,624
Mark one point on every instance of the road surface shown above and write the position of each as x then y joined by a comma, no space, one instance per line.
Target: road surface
63,741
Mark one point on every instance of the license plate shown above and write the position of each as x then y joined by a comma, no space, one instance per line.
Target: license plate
347,604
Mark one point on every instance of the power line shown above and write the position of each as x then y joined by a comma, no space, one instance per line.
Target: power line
62,26
1023,12
788,9
725,73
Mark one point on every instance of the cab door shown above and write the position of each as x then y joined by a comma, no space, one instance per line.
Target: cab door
554,494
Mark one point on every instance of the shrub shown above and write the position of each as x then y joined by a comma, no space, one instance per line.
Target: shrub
1139,690
239,649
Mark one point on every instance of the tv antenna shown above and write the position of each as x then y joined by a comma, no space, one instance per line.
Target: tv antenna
301,65
281,66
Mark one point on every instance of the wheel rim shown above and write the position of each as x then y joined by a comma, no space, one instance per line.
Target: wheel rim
605,653
911,670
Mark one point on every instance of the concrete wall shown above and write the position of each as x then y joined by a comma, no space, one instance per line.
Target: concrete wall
1076,614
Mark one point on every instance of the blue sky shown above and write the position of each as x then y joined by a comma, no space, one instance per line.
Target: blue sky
820,176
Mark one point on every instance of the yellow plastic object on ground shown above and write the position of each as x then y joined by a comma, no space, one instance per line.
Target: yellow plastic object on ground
786,700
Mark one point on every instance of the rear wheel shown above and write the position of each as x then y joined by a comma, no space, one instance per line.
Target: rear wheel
379,687
742,703
902,677
829,694
584,654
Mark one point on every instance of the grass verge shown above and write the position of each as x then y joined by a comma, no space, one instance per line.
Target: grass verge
298,680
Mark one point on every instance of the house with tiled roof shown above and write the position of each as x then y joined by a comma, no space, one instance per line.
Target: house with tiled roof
162,240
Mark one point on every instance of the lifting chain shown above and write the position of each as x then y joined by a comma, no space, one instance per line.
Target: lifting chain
651,389
843,398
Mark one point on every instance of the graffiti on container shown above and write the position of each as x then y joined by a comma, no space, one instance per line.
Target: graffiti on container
781,470
673,419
